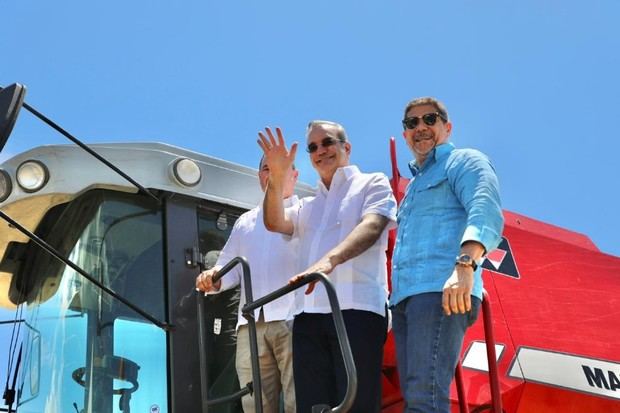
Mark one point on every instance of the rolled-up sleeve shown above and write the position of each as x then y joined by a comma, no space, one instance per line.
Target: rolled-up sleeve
380,200
476,185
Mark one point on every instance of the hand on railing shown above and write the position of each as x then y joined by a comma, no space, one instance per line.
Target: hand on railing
205,283
323,266
212,279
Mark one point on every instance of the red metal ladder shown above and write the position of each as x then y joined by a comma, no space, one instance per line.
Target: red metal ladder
489,338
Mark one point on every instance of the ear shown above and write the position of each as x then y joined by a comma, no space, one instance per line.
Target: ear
449,127
347,147
404,135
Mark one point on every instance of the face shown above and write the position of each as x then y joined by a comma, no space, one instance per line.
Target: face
423,138
327,159
289,184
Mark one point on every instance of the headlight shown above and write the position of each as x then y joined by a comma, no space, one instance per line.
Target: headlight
186,172
6,186
32,175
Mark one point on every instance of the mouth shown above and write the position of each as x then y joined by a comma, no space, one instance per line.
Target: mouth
325,158
423,137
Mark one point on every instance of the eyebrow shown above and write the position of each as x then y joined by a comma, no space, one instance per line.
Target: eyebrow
326,137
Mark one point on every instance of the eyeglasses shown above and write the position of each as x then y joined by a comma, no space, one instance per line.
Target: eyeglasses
429,119
313,147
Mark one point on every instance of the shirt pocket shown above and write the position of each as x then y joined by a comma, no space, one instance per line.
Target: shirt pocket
432,195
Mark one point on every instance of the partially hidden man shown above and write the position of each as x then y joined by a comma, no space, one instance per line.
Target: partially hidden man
272,258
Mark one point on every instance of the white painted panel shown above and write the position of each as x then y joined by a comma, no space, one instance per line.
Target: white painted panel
572,372
476,356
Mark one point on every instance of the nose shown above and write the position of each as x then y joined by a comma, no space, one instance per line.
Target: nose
321,149
420,126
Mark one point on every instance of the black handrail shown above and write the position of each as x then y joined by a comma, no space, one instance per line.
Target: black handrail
256,382
248,312
341,332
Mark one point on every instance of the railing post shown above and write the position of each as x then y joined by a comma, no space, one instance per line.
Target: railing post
460,388
489,338
202,340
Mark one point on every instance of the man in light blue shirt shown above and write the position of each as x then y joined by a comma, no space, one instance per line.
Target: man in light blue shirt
449,219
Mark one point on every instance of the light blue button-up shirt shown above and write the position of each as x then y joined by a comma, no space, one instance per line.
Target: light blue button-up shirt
452,198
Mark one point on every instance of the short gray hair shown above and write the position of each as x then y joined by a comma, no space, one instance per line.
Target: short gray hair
341,134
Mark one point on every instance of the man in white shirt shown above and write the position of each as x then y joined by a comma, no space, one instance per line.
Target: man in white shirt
342,232
272,259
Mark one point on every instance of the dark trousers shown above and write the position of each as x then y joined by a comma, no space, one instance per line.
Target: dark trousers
318,368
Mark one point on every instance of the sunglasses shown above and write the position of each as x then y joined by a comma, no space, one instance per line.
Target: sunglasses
313,147
429,119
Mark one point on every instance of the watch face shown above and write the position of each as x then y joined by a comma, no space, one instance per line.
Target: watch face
465,259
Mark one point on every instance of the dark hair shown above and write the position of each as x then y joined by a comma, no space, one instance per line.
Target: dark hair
439,106
341,134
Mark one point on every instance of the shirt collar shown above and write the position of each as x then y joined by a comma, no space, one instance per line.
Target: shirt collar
341,175
436,154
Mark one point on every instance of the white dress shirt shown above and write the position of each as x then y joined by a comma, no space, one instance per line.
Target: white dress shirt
272,258
323,221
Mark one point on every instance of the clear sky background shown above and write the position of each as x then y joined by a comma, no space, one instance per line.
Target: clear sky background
534,84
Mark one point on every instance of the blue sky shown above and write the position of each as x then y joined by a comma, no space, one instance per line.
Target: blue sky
534,84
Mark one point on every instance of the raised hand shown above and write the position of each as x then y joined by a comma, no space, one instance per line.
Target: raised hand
277,156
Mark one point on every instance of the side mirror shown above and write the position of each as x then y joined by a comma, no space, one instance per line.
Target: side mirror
11,100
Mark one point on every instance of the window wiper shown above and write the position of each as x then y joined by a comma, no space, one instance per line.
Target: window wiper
51,250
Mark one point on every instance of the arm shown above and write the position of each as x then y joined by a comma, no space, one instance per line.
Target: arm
279,159
362,237
273,209
475,184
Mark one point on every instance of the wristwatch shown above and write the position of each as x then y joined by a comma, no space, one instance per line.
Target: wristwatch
466,260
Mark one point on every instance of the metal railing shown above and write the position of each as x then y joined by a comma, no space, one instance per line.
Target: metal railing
248,313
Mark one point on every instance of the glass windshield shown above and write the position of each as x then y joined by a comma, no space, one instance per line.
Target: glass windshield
85,350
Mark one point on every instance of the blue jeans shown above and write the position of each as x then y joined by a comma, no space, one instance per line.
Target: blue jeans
428,345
